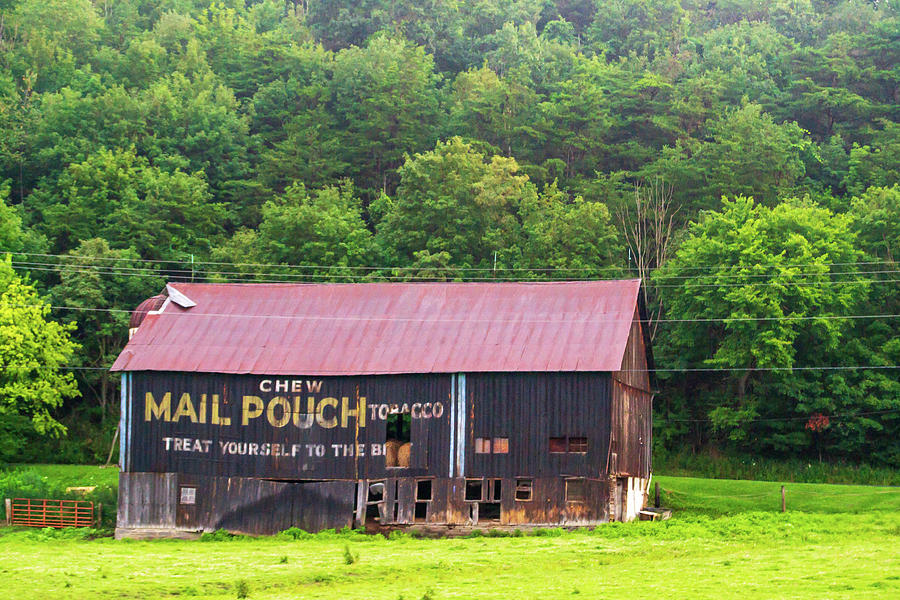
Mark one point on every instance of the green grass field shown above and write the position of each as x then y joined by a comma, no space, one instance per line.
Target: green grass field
728,539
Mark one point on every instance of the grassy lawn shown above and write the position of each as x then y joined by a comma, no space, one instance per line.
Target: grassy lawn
728,539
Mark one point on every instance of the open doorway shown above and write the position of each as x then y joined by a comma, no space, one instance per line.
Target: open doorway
398,440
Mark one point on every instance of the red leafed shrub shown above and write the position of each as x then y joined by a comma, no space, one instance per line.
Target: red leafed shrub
818,422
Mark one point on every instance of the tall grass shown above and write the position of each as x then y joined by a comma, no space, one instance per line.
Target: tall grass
684,464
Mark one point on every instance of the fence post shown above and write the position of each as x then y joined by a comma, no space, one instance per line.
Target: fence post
8,503
783,501
99,514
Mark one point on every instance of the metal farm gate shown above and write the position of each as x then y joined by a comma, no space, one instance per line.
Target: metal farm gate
28,512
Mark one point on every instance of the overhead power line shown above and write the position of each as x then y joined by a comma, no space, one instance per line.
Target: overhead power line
76,258
307,278
461,320
150,272
786,419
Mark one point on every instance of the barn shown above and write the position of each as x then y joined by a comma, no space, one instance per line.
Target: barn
258,407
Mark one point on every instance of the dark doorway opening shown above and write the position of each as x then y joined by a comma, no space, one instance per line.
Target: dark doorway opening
398,432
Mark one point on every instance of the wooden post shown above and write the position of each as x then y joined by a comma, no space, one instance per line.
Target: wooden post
8,512
656,503
783,501
99,514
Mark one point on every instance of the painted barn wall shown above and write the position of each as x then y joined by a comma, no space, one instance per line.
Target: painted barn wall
529,409
147,450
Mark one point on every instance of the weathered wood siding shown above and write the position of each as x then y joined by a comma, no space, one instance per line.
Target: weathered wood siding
632,407
237,504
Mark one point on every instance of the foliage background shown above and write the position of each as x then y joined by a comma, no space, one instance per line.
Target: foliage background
151,140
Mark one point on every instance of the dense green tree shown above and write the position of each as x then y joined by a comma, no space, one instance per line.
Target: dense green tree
747,153
454,200
876,164
121,198
748,283
386,101
324,228
96,285
646,27
34,354
489,108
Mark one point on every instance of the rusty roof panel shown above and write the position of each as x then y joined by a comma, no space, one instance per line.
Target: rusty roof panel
382,328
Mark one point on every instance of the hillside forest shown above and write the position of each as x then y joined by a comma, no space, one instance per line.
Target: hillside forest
741,156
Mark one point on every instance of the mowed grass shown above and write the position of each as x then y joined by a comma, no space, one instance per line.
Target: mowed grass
728,539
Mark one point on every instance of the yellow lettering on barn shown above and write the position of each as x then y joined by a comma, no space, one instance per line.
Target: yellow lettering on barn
285,417
307,420
215,419
185,409
162,410
320,413
359,413
253,407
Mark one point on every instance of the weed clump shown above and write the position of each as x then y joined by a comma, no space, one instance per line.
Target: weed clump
349,557
242,588
220,535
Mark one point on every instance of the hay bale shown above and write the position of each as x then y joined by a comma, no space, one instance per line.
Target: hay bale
391,449
403,455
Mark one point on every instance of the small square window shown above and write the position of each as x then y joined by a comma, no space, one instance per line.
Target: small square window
524,489
575,491
578,445
558,445
501,445
188,495
423,490
482,445
474,490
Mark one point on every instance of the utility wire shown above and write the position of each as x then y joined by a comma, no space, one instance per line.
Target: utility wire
310,279
443,320
436,268
784,419
73,267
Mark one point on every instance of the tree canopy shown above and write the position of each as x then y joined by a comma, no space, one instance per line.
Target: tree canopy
143,141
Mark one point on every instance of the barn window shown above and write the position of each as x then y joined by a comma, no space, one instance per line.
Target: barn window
188,495
398,427
571,445
423,489
397,442
578,445
524,489
474,490
575,490
497,445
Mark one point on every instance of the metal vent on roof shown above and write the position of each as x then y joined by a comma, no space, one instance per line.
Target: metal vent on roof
179,298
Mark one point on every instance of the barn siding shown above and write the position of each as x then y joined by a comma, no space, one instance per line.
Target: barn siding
529,409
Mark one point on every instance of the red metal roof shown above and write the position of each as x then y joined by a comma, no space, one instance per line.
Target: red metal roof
382,328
